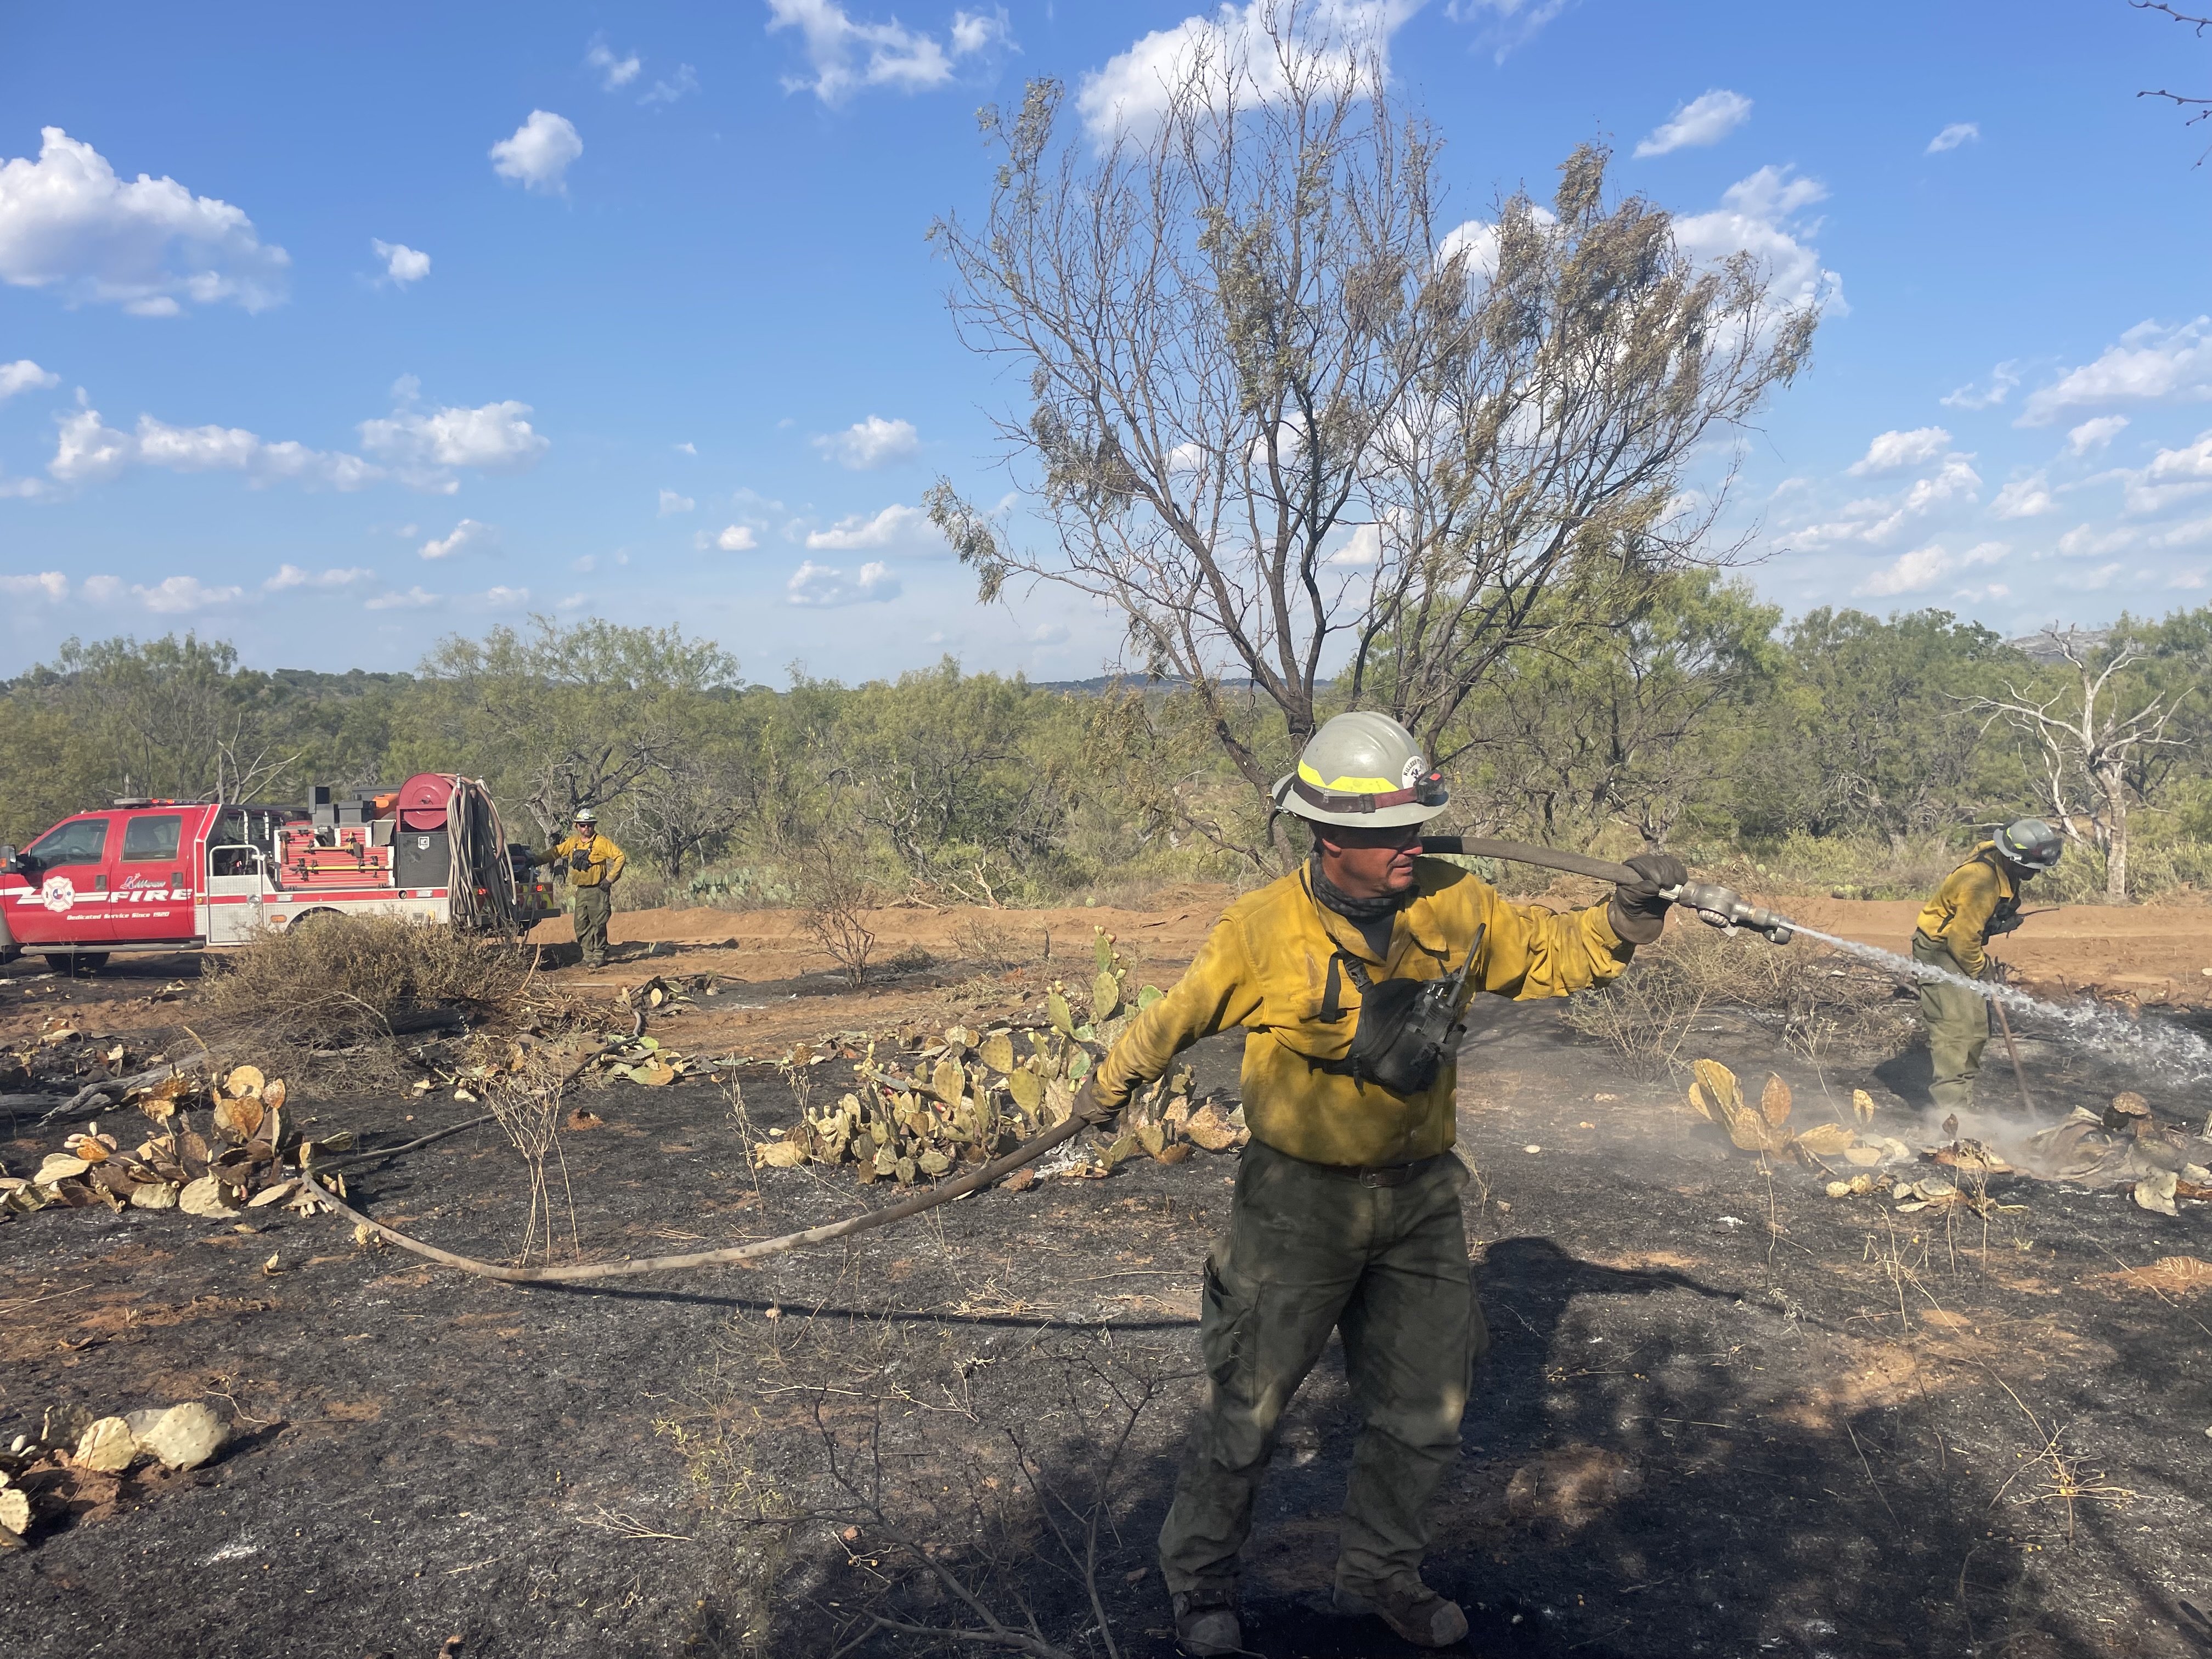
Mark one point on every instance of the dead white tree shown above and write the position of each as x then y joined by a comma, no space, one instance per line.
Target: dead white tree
2087,737
1283,419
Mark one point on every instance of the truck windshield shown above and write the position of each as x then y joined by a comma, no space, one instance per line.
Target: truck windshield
81,841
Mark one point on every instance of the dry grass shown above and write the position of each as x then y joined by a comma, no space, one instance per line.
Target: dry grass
1813,1000
349,980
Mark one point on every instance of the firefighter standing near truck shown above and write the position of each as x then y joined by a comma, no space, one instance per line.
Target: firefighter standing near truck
1346,1212
1978,902
594,865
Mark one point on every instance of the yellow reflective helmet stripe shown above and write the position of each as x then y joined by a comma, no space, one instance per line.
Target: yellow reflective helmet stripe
1348,786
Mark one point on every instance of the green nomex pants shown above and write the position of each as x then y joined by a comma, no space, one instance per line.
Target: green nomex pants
1308,1252
594,906
1958,1021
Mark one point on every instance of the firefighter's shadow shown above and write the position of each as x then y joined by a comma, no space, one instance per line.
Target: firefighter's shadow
1692,1466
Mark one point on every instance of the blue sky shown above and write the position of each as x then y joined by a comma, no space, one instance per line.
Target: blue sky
427,318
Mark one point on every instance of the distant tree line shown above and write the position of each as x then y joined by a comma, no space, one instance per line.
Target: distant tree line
1695,719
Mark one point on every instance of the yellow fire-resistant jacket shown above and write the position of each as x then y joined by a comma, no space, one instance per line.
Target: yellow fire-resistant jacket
1959,915
1264,967
607,860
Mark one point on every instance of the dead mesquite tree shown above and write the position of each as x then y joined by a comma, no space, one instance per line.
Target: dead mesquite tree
1280,418
2200,107
2088,743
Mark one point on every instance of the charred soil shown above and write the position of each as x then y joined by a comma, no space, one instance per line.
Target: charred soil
1723,1412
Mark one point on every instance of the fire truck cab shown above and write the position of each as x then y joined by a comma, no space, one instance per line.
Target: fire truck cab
158,875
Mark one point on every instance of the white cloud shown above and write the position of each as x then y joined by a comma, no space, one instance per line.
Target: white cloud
466,536
906,528
87,451
1132,90
687,449
2194,462
2092,581
1518,21
846,56
290,575
22,376
2003,378
2088,542
1364,547
49,584
2024,498
1923,567
402,264
685,80
615,73
506,598
874,442
68,223
1759,216
1958,133
1704,121
538,152
2184,535
493,438
738,538
175,596
2149,364
1893,452
670,501
413,599
2095,433
1879,520
820,587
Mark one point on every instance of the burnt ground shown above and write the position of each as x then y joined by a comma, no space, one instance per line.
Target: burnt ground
1722,1414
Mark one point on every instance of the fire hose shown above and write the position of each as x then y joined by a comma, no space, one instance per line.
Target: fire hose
1719,907
1715,906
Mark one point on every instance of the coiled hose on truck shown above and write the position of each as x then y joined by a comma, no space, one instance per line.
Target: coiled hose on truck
483,880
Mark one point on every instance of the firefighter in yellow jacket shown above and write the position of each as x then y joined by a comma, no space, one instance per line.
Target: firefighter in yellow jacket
1978,901
1350,976
594,865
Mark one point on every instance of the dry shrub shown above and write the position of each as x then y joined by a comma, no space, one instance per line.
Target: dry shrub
989,945
340,979
1809,996
835,895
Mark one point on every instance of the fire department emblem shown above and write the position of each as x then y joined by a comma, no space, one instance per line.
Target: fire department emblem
58,893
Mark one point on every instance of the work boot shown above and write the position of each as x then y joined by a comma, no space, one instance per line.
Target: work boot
1409,1607
1205,1624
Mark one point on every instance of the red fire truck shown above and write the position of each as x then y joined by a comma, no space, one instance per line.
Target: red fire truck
158,875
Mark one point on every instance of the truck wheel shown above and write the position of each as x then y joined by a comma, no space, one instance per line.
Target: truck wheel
69,962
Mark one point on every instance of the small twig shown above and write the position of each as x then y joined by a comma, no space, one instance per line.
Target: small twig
1869,1467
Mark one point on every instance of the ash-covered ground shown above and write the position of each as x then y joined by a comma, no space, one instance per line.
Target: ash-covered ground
1724,1413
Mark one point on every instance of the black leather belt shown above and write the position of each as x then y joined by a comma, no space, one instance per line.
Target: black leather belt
1379,1175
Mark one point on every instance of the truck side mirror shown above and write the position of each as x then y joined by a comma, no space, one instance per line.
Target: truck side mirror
11,861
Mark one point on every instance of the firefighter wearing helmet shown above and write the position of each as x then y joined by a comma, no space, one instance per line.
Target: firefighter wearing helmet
1978,902
1346,1214
594,865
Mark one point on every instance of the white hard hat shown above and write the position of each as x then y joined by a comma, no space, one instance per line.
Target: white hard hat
1363,770
585,815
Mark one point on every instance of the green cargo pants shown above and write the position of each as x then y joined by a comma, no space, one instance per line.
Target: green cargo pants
1309,1251
1958,1021
594,906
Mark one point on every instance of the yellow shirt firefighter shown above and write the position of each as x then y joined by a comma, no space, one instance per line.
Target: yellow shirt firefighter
594,865
1350,977
1978,901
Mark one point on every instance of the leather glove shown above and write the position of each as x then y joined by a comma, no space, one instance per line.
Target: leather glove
1637,912
1089,1107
